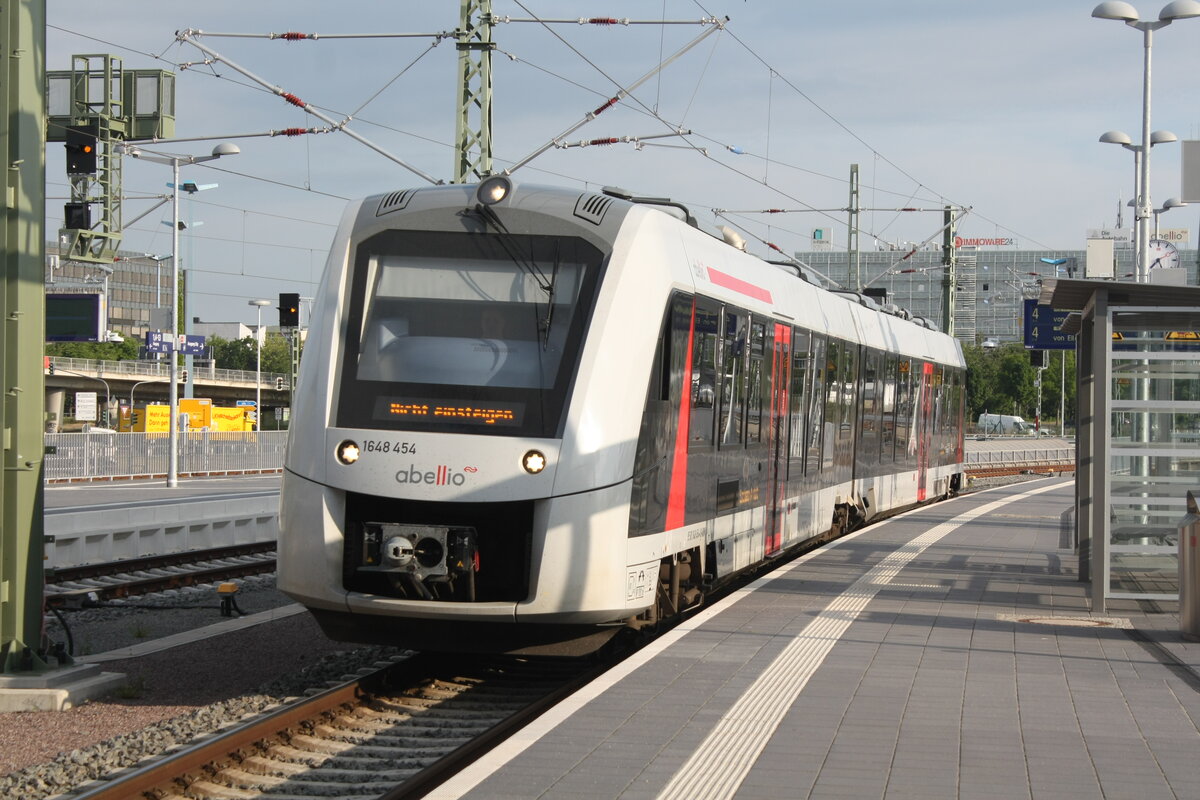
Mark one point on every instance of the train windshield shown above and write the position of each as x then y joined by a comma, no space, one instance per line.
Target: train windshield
465,332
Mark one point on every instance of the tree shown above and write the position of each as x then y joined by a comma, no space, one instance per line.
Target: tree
96,351
243,353
1001,381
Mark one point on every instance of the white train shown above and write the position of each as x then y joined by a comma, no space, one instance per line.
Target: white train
530,416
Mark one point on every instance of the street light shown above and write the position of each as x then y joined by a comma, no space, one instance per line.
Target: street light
1172,202
223,149
1122,138
1124,12
259,304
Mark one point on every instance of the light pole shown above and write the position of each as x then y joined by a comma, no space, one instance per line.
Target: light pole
223,149
132,389
1139,223
1124,12
258,304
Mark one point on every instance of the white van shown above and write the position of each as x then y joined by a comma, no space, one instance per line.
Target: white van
1004,425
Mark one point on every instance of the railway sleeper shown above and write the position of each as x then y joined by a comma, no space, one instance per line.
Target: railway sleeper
415,750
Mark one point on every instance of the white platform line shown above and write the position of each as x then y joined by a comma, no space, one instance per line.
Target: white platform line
479,771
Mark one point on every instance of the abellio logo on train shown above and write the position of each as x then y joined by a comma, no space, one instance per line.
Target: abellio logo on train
442,475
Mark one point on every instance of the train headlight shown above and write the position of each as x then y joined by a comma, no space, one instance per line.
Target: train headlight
533,462
347,452
494,189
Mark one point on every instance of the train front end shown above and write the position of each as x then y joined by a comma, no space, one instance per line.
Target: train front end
429,421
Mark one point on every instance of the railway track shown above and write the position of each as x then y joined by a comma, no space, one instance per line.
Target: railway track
391,734
72,587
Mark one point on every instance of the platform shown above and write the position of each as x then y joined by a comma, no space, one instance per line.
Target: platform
948,652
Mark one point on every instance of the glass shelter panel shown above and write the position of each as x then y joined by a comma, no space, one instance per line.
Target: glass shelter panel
1154,457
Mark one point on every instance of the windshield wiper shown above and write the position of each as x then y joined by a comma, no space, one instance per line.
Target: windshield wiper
547,285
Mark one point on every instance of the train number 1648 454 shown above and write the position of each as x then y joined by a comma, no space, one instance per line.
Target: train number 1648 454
383,446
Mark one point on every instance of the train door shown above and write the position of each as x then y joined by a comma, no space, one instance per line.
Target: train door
924,428
777,444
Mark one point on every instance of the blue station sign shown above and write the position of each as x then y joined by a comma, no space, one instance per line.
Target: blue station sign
1042,325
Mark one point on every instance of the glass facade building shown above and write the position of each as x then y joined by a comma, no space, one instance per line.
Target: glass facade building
991,284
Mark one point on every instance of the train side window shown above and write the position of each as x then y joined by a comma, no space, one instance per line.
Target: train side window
887,442
733,377
868,446
816,407
801,367
905,410
756,384
833,401
705,343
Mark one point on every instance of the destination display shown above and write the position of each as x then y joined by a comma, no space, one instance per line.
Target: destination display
433,411
1042,325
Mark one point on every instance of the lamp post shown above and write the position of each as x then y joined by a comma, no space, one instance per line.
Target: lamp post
258,304
1124,12
1139,171
223,149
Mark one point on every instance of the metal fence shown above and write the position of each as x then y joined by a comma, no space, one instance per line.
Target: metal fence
161,369
1021,457
98,455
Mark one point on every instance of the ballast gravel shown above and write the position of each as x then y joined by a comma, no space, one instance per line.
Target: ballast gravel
172,696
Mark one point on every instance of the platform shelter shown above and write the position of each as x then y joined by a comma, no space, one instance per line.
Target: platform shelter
1138,434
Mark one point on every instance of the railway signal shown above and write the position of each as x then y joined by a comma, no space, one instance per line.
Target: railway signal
289,310
81,149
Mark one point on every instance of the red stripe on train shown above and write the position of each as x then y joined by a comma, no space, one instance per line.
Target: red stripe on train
738,285
677,500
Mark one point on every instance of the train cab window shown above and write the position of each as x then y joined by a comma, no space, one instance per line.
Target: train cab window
756,384
464,332
733,378
705,342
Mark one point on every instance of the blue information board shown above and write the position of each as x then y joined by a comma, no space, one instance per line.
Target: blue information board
158,342
155,343
191,344
1042,325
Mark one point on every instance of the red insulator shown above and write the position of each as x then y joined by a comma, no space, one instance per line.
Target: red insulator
292,36
612,101
291,98
773,246
610,140
603,21
774,211
294,131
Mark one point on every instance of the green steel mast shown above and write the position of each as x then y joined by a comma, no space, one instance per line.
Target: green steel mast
473,137
23,245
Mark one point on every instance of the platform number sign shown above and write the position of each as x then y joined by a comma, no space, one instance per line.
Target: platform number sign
1042,325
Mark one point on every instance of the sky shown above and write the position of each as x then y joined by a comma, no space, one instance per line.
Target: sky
992,107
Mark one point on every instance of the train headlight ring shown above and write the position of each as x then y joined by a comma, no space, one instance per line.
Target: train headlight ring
533,462
347,452
494,189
